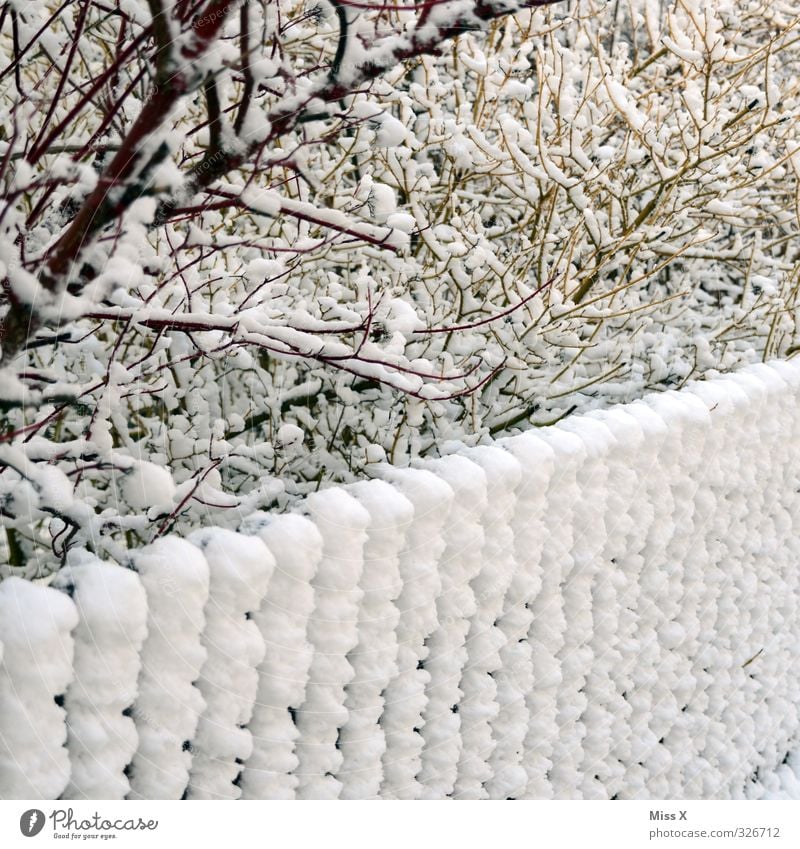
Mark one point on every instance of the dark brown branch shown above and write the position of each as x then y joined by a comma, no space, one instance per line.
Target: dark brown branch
247,74
73,47
214,116
489,319
162,39
100,81
341,45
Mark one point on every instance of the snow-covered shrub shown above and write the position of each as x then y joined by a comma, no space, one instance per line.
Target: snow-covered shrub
255,251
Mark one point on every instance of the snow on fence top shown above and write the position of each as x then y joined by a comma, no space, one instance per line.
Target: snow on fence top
606,608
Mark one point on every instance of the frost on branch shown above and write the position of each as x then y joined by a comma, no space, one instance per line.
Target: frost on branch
249,250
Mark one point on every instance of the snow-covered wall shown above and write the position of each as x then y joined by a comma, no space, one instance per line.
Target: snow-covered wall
606,608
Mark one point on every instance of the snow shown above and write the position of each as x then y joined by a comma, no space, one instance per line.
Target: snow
296,545
175,576
362,739
148,487
391,133
382,202
112,626
395,279
405,696
447,653
239,571
289,434
35,626
479,708
509,777
401,221
558,654
589,610
333,633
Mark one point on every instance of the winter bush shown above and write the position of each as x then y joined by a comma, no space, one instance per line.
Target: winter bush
252,249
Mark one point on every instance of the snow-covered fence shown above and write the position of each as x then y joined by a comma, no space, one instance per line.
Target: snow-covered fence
604,608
